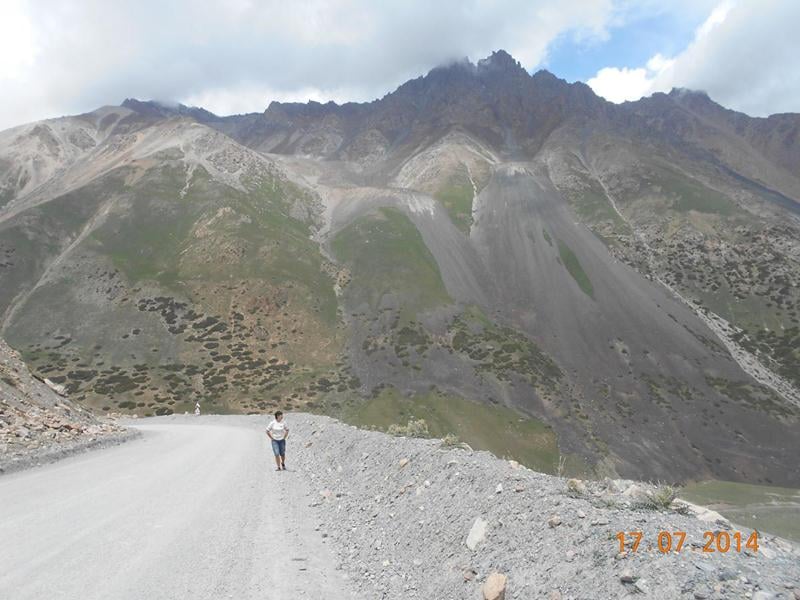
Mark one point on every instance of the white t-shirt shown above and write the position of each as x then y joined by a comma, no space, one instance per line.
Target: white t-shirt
278,429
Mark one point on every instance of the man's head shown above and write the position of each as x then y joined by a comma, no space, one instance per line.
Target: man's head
279,416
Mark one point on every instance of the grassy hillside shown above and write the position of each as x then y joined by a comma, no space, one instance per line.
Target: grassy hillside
456,195
497,429
178,293
386,255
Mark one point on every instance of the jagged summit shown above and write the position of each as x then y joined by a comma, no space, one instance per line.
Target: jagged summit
499,70
500,60
682,92
449,82
495,98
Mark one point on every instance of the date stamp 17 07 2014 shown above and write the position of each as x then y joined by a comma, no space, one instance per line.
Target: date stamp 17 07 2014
675,541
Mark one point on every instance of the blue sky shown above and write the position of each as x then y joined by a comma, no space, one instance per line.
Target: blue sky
630,44
233,56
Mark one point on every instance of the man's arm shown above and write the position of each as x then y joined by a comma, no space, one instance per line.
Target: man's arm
285,433
269,432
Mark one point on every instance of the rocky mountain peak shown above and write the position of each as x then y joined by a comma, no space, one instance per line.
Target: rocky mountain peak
500,60
686,93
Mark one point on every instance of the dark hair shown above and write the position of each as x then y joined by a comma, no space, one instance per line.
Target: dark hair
278,413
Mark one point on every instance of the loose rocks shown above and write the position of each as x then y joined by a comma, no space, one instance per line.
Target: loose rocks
38,425
444,530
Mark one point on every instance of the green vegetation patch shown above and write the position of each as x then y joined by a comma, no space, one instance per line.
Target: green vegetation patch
210,232
686,194
145,239
500,430
456,196
387,255
575,269
767,508
693,196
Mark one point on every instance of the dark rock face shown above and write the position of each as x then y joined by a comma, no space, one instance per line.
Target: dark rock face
495,99
629,274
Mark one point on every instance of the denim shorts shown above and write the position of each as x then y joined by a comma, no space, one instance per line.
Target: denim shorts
279,447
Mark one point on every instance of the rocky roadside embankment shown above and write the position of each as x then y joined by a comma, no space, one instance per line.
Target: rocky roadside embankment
38,424
411,518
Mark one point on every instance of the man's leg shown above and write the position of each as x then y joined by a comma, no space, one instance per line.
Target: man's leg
277,452
283,454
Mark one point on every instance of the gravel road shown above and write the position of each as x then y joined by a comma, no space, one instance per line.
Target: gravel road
192,509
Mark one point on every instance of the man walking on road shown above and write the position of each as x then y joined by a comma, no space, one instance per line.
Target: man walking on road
278,432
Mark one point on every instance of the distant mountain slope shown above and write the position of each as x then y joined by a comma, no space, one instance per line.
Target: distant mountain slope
186,260
627,273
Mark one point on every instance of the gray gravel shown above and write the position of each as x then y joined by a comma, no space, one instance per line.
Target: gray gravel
402,528
194,509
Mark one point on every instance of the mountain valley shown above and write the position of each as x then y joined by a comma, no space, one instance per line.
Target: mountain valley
625,277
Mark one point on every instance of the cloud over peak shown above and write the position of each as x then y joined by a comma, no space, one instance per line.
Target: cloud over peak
743,55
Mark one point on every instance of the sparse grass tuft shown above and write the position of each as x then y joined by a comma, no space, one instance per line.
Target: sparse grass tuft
575,488
417,428
561,465
659,499
451,441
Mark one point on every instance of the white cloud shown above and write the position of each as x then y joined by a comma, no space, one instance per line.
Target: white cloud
17,44
659,64
747,60
237,55
619,85
250,97
744,55
717,17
